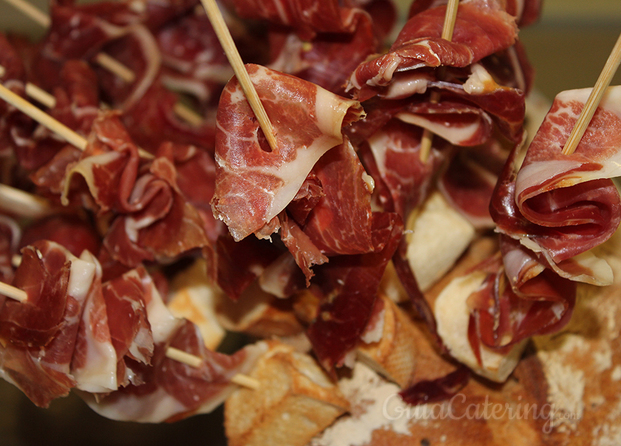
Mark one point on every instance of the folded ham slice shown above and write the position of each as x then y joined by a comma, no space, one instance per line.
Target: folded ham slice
561,206
254,184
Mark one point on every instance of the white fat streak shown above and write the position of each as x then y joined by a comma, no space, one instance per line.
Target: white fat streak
153,64
330,111
479,81
407,85
452,315
99,373
454,134
81,277
163,322
155,407
85,168
597,270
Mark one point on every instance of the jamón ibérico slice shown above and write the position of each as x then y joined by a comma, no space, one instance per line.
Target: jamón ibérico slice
237,264
108,166
171,390
396,157
39,335
321,60
192,59
470,179
306,17
45,278
482,28
526,12
253,183
71,231
350,284
130,330
561,206
504,314
341,221
94,363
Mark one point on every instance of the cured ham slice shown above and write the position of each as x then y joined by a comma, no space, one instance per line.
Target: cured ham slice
306,17
39,335
130,331
482,28
468,182
172,390
193,59
568,203
405,180
153,219
94,362
254,184
349,286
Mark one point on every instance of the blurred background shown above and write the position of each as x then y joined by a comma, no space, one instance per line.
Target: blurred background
568,47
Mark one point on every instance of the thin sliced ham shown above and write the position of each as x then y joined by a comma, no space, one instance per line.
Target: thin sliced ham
253,183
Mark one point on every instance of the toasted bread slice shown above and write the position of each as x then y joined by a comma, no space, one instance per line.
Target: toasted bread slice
440,235
394,355
295,401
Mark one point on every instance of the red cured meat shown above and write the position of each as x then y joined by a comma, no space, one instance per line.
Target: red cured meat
307,17
172,390
482,28
254,184
39,335
321,60
351,283
70,231
565,204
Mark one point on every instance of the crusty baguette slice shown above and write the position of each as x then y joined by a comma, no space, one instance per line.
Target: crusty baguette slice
295,401
394,355
440,235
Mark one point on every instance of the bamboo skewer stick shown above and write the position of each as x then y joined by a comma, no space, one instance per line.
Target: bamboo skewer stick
603,81
103,59
447,33
52,124
224,36
194,361
40,95
22,203
42,118
13,292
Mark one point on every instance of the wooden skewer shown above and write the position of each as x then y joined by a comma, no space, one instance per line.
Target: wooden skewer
195,361
22,203
40,95
13,292
447,33
52,124
36,93
594,99
103,59
224,36
42,118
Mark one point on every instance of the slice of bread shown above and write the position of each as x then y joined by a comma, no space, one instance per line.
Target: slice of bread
295,401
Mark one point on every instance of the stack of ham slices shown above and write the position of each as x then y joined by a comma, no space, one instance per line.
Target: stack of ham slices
382,295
